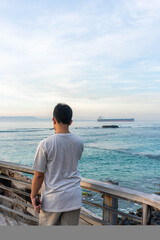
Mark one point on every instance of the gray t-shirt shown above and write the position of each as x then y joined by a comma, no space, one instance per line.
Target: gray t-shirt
57,156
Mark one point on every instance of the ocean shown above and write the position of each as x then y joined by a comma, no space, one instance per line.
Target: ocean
129,154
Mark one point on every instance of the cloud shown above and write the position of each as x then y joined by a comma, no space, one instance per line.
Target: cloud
98,51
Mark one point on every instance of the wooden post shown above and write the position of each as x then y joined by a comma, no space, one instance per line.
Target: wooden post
114,206
109,217
107,200
146,213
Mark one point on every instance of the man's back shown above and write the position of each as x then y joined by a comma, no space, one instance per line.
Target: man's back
58,157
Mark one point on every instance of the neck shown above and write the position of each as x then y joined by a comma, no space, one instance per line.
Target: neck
61,128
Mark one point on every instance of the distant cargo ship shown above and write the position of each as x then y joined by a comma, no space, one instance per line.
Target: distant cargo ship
101,119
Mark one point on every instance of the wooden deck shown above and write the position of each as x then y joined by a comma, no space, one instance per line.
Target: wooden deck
16,208
6,220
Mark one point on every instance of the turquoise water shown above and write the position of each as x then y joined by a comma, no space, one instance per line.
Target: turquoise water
129,154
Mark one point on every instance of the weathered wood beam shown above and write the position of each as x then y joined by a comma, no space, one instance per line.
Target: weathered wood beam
16,167
90,219
121,192
15,190
16,180
15,201
27,217
129,216
111,202
146,214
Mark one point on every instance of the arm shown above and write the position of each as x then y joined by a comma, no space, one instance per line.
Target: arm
36,185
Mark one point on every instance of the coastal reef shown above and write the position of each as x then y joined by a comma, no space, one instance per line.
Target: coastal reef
154,218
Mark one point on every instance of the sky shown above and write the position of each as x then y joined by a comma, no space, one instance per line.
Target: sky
100,57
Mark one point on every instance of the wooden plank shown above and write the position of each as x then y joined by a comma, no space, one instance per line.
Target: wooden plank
92,204
16,201
146,210
117,212
16,167
6,220
90,219
90,213
129,216
112,202
83,222
15,180
114,206
107,216
145,214
124,193
30,218
15,190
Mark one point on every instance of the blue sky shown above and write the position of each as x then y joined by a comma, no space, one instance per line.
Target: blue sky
101,57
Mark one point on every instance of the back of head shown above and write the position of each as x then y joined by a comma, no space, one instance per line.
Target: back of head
62,113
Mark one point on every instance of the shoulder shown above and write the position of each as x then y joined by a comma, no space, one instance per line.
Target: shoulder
77,138
46,141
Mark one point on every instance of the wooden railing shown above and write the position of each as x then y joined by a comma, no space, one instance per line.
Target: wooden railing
15,191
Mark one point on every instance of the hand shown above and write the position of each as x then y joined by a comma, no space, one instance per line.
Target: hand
36,208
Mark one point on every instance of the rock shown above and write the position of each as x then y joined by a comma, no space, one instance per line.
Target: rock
110,126
85,194
121,222
126,222
139,212
158,193
132,213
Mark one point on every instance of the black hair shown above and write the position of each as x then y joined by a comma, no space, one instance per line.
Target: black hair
62,113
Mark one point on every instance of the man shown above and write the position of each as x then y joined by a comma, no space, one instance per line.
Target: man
56,170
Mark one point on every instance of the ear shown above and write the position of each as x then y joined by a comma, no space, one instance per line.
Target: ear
70,122
54,120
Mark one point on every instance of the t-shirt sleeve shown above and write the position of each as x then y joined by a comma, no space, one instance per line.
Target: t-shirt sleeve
82,146
40,161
